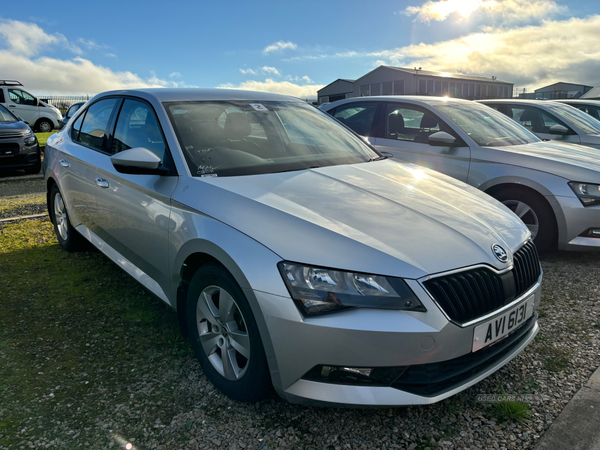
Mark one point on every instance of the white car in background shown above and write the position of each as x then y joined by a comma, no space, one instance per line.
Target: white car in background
38,115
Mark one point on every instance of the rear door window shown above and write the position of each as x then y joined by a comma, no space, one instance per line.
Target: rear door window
93,129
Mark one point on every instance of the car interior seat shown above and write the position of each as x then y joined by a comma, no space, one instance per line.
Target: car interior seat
396,126
535,121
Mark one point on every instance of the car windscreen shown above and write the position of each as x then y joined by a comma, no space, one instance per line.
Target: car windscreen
6,115
574,116
486,126
229,138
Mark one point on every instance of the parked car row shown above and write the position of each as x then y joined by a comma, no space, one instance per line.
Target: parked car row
553,186
300,257
40,116
19,148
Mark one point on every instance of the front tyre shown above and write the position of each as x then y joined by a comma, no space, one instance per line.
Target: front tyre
535,212
225,336
68,238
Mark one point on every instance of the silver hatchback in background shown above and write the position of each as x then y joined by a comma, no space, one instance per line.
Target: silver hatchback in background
296,255
553,187
551,120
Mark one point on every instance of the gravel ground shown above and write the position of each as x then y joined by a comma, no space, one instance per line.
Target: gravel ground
22,198
160,398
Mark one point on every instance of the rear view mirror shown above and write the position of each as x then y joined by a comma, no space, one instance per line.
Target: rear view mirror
137,161
559,129
441,139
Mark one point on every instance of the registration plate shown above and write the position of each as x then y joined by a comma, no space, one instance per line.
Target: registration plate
499,327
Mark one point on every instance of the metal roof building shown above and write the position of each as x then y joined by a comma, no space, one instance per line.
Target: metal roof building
338,90
592,94
558,90
387,80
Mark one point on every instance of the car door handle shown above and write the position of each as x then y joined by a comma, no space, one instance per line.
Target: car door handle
12,106
102,182
64,163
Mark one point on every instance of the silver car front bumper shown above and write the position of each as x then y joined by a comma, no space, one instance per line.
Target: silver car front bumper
376,338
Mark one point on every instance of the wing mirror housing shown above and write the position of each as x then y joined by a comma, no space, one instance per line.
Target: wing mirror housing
559,129
137,161
441,139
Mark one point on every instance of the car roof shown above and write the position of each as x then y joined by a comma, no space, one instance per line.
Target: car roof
514,100
416,99
581,102
188,94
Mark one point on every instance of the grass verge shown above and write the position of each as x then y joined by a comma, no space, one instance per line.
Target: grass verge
82,347
43,137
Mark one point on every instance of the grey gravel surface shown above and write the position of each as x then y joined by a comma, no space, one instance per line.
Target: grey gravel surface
162,400
22,198
20,187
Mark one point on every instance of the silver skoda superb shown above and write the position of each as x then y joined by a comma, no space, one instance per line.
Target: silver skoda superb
296,256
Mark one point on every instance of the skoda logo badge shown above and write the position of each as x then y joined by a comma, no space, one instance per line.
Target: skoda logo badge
500,253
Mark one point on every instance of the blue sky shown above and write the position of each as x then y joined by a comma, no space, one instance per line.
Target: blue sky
291,47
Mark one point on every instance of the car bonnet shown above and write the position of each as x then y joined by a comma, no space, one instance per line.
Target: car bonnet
571,161
381,217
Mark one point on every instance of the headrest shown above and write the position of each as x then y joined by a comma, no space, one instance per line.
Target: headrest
527,116
429,121
396,123
237,126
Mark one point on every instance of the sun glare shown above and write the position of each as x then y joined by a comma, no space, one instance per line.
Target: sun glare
444,8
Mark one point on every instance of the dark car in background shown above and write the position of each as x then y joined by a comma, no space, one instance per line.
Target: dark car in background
19,147
70,113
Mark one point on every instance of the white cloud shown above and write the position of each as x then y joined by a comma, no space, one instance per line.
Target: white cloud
21,43
277,87
278,46
29,39
77,76
566,50
174,75
265,69
507,10
270,70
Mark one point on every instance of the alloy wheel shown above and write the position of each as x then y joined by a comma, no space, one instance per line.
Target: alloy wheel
526,214
223,332
60,215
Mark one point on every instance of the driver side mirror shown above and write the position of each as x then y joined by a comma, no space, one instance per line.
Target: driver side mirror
559,129
441,139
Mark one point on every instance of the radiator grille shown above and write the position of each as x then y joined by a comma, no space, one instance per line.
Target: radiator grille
467,295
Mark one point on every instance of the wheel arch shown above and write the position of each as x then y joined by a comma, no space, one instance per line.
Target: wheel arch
492,187
197,252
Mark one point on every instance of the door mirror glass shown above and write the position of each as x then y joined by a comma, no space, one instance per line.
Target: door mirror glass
441,139
559,129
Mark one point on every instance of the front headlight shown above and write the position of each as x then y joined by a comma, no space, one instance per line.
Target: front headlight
588,194
317,290
30,139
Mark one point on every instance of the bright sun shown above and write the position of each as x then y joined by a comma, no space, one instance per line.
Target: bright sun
444,8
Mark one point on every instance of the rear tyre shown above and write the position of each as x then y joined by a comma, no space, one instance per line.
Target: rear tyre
68,237
44,126
535,212
225,336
